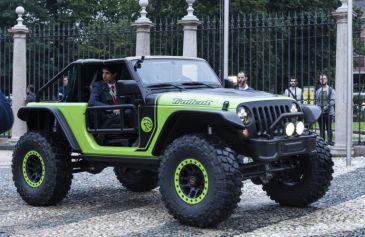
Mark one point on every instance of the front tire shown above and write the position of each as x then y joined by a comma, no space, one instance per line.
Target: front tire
305,184
42,170
200,181
136,180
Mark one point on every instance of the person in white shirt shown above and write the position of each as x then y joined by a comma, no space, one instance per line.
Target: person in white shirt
294,91
242,81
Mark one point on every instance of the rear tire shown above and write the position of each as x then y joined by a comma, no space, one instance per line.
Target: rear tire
136,180
41,168
308,184
200,181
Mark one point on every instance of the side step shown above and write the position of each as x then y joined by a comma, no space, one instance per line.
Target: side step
131,162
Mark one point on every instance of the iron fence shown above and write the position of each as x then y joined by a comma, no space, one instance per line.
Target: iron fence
359,99
270,48
273,48
6,61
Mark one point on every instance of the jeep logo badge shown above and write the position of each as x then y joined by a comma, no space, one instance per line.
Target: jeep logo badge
146,124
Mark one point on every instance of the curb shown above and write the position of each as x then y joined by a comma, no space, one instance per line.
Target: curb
7,147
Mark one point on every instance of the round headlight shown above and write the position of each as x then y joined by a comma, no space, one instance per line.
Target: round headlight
289,129
244,115
299,127
294,108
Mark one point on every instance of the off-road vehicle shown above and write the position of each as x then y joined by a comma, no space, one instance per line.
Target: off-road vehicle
186,133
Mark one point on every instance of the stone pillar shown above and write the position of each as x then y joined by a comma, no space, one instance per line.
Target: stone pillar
190,24
143,25
19,74
341,80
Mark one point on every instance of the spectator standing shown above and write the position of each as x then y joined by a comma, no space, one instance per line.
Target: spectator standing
325,98
6,114
242,81
294,91
63,91
31,97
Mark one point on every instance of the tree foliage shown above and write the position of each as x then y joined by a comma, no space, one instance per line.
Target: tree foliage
64,30
177,8
87,11
70,11
302,5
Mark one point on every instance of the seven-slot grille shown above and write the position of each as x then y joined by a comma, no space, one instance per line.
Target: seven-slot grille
267,113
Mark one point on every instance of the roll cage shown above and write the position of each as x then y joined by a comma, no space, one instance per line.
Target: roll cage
86,71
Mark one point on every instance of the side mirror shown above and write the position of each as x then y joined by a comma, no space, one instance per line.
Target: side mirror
228,83
138,64
127,87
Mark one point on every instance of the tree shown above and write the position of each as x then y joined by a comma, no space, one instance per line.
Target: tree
302,5
87,11
70,11
177,8
35,11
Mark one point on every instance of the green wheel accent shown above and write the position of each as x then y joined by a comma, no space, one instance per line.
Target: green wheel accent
191,181
33,169
147,124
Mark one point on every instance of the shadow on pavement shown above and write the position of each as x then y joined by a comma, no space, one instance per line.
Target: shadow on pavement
344,188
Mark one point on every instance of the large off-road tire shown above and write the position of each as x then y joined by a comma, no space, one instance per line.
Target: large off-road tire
200,181
136,180
42,170
305,184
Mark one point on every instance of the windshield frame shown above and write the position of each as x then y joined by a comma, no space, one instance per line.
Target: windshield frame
216,83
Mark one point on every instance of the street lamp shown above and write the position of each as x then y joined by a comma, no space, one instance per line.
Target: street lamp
349,82
225,39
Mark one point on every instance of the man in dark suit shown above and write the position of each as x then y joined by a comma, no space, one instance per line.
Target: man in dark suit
6,114
104,92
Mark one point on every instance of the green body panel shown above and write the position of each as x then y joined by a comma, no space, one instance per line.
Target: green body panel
74,114
214,101
167,103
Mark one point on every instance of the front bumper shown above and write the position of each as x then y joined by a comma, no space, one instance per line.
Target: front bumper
271,149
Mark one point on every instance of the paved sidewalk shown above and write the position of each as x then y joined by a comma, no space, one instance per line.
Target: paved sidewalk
5,158
98,205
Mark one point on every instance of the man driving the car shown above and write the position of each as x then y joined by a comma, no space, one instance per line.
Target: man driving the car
104,92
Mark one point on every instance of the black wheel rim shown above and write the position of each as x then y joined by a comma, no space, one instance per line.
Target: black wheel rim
33,169
191,181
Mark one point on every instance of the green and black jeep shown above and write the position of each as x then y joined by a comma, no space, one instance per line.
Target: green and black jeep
190,136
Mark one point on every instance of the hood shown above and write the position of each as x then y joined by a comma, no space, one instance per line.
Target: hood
213,98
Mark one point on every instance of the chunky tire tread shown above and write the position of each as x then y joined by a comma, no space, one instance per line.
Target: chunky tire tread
227,177
316,184
58,169
141,181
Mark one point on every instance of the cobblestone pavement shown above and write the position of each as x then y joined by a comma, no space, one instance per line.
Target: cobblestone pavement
97,205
